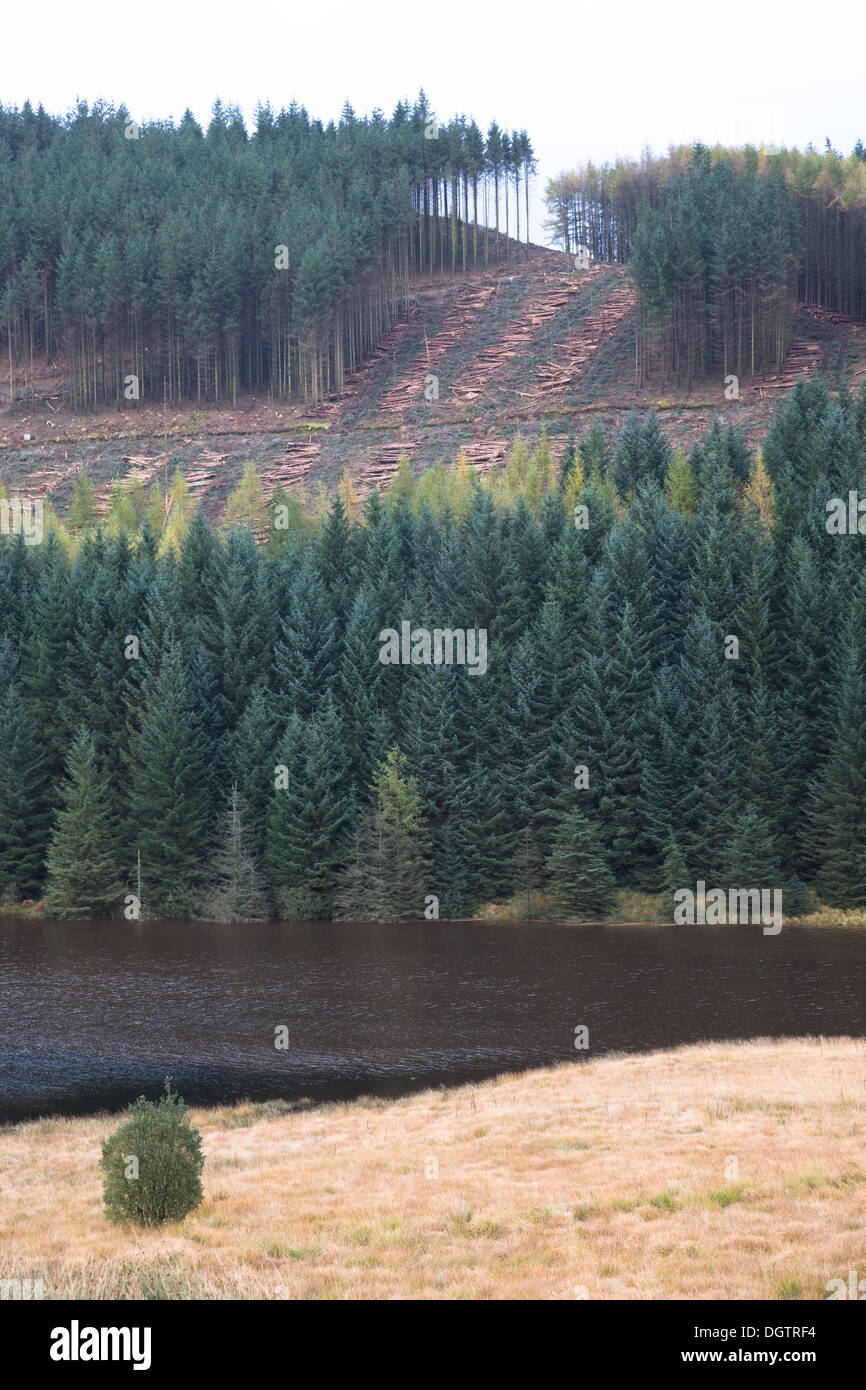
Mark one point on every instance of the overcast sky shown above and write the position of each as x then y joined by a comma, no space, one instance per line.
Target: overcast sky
634,75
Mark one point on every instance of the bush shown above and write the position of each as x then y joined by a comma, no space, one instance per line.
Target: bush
152,1163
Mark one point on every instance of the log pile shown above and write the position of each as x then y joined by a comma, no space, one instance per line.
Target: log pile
801,358
301,459
378,473
469,302
45,481
573,357
202,475
553,294
485,456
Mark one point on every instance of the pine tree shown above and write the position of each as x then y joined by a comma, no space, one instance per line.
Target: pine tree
82,858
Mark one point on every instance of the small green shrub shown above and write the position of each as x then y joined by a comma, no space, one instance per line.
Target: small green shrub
152,1163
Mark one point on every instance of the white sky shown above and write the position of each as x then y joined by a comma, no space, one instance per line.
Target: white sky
635,75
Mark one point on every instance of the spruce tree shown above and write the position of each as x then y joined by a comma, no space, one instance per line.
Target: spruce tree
311,813
797,901
628,469
251,755
839,813
577,869
82,860
170,810
25,788
308,651
526,873
674,877
388,875
751,859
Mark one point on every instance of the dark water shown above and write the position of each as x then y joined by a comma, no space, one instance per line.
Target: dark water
93,1014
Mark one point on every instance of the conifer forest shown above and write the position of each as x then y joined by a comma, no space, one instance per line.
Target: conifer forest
721,244
204,263
673,687
610,667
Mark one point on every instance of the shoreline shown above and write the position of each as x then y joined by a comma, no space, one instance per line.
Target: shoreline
823,917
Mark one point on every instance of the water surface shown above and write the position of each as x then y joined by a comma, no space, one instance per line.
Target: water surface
95,1013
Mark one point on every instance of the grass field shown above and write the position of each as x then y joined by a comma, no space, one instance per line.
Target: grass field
722,1170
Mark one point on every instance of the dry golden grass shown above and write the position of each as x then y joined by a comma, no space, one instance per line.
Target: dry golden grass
723,1170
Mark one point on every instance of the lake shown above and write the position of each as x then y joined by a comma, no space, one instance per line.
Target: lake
95,1013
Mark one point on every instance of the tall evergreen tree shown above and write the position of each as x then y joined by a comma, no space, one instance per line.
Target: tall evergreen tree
170,807
388,874
25,788
311,813
82,859
577,869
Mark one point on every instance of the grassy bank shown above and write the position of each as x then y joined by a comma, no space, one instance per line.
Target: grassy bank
640,909
722,1170
633,909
